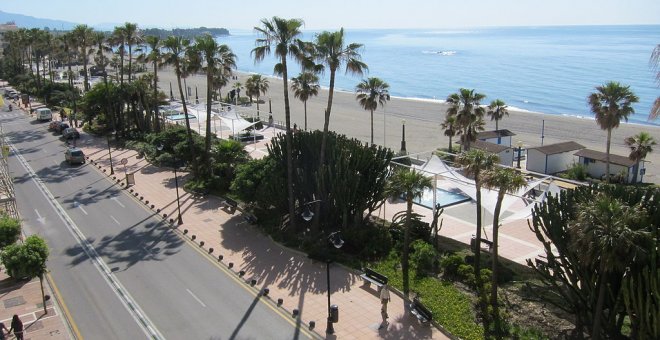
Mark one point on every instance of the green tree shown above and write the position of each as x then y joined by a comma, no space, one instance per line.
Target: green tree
10,230
611,103
305,86
370,93
155,57
84,38
411,184
640,145
27,260
465,105
256,85
497,110
132,37
176,55
282,35
450,129
505,180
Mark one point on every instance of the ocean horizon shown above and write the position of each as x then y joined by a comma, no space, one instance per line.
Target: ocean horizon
545,69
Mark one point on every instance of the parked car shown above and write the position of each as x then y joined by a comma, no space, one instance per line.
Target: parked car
53,124
71,133
61,127
44,114
74,156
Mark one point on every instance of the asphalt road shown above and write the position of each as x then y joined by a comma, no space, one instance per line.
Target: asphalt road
122,273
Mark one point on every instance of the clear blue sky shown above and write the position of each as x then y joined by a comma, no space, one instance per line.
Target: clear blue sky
331,14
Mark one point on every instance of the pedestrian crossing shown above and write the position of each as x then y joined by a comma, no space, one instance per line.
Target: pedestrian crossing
13,114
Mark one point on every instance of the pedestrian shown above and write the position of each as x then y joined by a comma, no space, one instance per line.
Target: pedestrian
3,329
295,127
384,300
62,115
17,327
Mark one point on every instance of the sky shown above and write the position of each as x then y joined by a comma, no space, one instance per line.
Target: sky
331,14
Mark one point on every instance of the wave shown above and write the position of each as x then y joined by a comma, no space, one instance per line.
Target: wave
445,53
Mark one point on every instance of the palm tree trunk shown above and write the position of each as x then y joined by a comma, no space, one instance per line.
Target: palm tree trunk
635,172
157,113
598,311
86,77
185,107
289,147
406,247
372,127
43,294
324,140
450,146
130,61
257,106
209,91
607,156
495,267
305,105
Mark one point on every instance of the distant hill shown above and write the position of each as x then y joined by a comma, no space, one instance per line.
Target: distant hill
27,21
189,33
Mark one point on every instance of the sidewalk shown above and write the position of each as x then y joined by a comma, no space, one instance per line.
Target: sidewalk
289,275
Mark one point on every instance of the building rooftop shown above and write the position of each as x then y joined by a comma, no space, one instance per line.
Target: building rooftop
495,134
488,146
558,148
602,156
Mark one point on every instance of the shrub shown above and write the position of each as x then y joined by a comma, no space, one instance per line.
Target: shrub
466,273
577,172
422,257
450,265
10,230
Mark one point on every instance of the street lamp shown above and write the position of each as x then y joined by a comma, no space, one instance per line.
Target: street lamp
519,144
171,93
176,183
270,106
403,136
107,139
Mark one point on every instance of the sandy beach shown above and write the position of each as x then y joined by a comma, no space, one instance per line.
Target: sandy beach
423,119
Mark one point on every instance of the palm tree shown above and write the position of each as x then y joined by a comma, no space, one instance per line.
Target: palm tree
84,37
118,38
608,232
371,92
655,65
155,56
133,37
450,128
476,162
640,145
217,58
176,55
612,102
256,85
469,114
237,87
282,35
497,110
506,180
411,184
304,86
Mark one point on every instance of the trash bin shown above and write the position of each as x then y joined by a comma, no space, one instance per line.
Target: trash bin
334,313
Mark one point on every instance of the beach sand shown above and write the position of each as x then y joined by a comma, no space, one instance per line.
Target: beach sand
423,119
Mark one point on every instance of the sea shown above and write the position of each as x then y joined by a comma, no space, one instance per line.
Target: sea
546,69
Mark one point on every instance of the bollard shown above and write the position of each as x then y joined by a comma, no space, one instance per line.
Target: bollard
265,292
131,190
146,202
295,313
312,324
220,257
141,198
210,250
153,206
171,220
193,237
201,243
231,265
185,231
280,301
241,273
157,210
253,282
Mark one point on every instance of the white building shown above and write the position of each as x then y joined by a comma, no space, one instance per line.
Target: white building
596,163
553,158
505,153
501,137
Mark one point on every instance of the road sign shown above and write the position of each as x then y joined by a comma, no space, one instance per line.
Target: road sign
124,161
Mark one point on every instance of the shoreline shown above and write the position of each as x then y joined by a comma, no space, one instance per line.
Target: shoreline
423,119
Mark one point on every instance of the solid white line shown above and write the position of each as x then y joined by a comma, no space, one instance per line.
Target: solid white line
196,298
83,210
120,291
114,219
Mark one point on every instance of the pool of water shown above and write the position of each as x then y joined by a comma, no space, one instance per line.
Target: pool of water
443,197
181,116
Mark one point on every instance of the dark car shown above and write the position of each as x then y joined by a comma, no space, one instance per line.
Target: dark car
61,127
74,155
71,133
53,124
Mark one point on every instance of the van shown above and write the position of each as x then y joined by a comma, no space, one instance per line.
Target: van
44,114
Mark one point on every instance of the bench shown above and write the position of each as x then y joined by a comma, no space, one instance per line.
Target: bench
420,311
370,276
200,192
230,205
249,218
473,244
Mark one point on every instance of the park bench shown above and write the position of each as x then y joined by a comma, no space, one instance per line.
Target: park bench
370,276
230,205
200,192
487,243
420,311
249,218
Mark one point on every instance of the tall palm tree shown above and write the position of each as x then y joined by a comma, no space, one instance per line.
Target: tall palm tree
497,110
640,145
608,232
256,85
238,86
505,180
610,104
281,35
465,105
450,129
655,65
154,56
133,37
331,51
176,48
411,184
304,86
213,58
372,92
84,37
118,38
475,163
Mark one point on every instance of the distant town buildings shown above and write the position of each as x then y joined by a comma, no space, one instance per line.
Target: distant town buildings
10,26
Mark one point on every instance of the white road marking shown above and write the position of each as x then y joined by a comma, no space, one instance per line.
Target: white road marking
196,298
79,206
117,201
114,219
41,220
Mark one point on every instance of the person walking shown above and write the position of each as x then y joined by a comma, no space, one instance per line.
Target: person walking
17,327
3,329
384,300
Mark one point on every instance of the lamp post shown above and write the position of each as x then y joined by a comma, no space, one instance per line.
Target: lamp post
270,106
335,239
196,97
176,183
519,144
107,139
403,136
171,93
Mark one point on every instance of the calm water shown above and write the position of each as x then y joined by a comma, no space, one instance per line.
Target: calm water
544,69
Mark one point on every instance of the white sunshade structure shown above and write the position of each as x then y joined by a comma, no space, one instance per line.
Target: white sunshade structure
227,114
437,167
